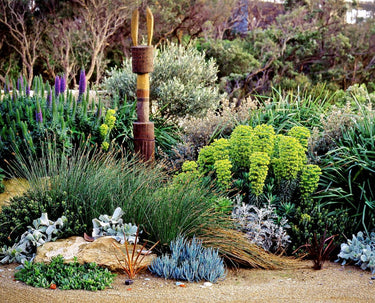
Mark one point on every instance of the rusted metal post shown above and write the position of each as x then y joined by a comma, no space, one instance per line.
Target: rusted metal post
142,64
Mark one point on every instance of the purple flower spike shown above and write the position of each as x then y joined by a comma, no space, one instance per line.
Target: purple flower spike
39,116
19,83
49,98
62,84
27,90
82,84
57,86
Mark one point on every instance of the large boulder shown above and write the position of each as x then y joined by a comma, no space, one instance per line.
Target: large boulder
100,251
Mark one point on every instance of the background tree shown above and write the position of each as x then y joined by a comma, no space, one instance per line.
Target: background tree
26,29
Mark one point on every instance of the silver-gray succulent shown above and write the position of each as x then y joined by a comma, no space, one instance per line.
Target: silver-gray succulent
360,249
115,227
42,231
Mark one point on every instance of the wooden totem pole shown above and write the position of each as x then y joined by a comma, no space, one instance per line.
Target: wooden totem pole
142,64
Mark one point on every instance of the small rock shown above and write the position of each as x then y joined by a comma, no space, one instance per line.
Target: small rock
9,269
373,278
129,282
147,279
1,270
370,282
207,284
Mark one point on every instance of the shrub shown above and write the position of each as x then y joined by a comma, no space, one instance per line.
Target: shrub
232,57
183,82
65,276
189,261
199,132
240,146
255,155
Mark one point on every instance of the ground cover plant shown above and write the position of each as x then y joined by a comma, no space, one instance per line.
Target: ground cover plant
65,276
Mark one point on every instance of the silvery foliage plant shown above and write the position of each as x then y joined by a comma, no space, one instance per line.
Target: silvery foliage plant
42,231
360,249
114,226
260,227
189,261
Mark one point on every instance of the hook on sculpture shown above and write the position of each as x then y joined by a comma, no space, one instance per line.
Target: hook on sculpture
142,65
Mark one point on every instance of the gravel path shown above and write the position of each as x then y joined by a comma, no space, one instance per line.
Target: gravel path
334,283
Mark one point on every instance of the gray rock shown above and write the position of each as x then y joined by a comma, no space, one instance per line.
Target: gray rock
100,251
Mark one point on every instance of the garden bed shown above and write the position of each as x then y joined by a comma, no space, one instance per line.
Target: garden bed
334,283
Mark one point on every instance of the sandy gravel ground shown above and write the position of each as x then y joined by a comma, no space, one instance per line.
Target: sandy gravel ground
334,283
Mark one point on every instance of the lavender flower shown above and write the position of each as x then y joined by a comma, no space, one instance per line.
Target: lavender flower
57,86
82,84
39,116
62,84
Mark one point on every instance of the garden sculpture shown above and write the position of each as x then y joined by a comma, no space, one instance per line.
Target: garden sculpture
142,65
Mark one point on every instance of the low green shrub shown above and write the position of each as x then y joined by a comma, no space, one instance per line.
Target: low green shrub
65,275
189,261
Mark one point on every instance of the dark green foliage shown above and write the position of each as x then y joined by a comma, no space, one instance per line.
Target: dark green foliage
232,57
189,261
65,276
347,181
